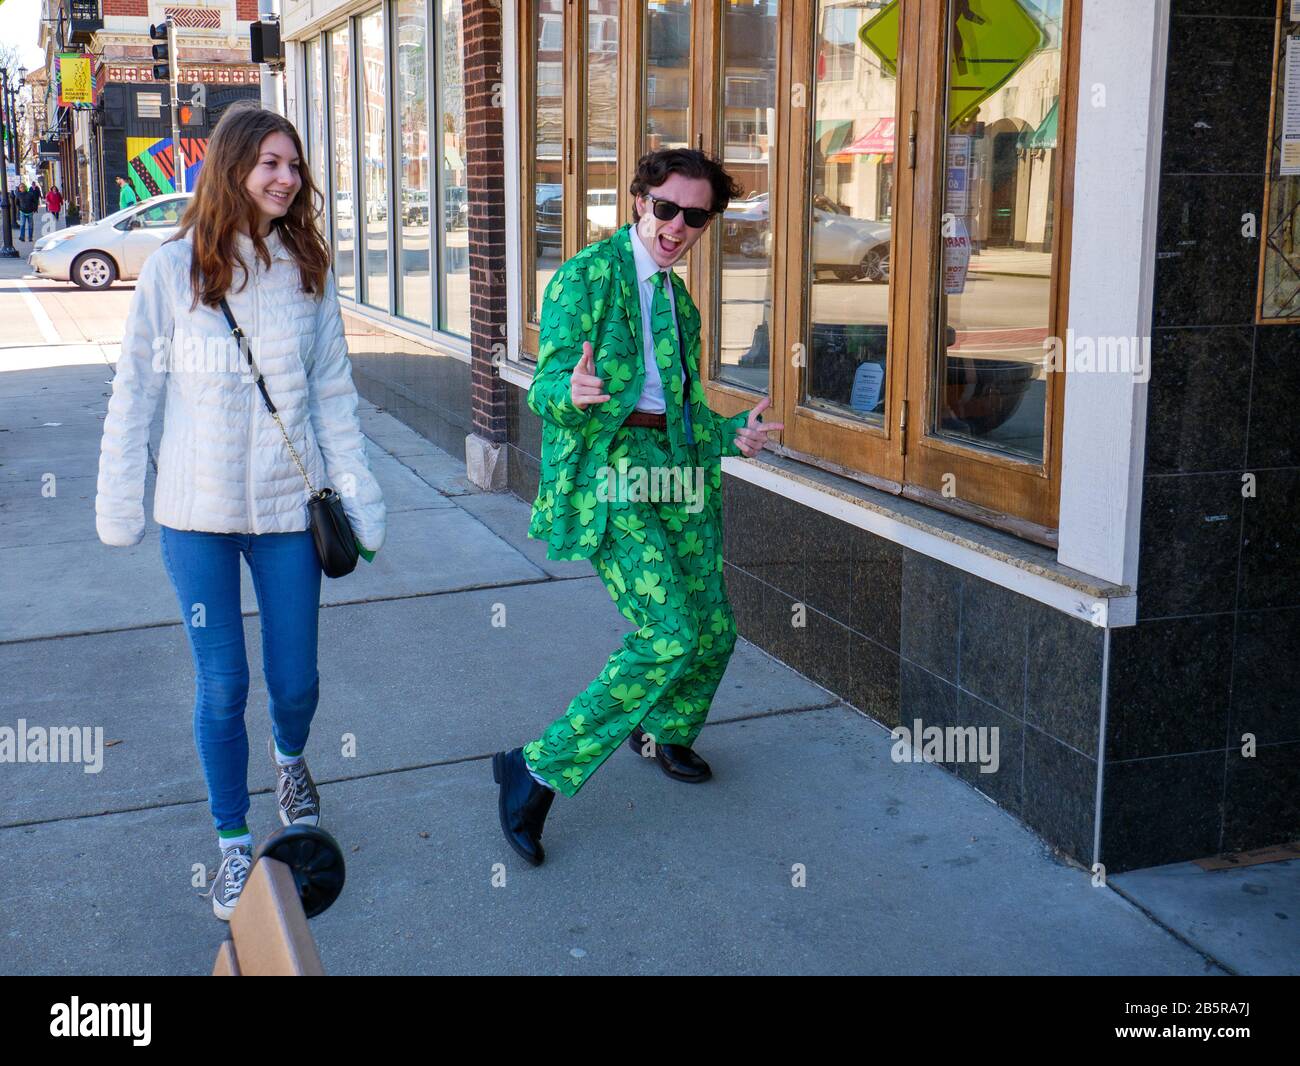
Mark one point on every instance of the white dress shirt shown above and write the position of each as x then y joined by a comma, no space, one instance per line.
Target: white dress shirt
652,392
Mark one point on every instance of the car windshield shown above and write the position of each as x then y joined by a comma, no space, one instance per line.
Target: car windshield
143,205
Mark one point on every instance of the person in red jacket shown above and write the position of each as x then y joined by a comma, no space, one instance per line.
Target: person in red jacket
54,202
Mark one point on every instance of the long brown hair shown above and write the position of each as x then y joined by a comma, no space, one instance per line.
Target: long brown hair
221,208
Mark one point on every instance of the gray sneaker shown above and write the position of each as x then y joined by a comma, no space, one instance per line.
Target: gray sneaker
232,874
295,792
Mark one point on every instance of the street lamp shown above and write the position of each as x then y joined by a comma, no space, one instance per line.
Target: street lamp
7,249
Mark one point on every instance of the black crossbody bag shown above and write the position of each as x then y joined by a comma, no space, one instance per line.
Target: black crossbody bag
336,545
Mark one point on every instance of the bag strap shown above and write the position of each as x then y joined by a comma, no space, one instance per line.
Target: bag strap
242,341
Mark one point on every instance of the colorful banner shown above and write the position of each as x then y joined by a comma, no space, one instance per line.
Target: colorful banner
76,85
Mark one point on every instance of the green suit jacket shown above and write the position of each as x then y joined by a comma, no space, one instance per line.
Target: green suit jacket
593,297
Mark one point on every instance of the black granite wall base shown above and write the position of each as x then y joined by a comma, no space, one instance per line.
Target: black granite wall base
1213,656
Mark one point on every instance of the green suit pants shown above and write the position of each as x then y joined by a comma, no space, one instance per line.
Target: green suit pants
661,560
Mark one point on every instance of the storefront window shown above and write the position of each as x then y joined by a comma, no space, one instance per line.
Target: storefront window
602,120
374,156
454,203
747,69
848,232
543,206
667,84
412,224
315,80
341,118
1000,164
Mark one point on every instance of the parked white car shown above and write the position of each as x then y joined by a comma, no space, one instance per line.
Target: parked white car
113,249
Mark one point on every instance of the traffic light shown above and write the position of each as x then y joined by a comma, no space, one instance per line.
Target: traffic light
161,69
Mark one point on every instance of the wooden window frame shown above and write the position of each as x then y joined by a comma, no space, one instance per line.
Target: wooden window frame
901,454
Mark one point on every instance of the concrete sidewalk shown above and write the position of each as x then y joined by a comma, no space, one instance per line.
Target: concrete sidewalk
905,868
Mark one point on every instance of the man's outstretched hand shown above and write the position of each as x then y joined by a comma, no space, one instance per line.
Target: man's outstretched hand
585,388
751,437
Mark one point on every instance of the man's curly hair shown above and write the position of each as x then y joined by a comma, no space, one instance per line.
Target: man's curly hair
653,168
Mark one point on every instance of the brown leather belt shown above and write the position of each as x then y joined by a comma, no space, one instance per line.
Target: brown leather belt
647,419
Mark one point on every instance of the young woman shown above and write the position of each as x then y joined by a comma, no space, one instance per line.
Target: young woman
226,483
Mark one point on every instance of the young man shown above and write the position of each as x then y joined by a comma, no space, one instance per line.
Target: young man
127,196
632,479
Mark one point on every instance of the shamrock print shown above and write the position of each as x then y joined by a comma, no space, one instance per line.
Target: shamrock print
588,749
652,554
585,502
648,585
667,650
691,544
629,696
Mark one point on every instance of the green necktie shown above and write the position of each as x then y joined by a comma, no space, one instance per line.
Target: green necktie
671,360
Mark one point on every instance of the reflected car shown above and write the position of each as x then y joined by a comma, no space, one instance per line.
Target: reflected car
455,206
415,207
851,248
113,249
548,217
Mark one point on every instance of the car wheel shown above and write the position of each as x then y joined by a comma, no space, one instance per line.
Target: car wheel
875,265
847,273
751,246
94,270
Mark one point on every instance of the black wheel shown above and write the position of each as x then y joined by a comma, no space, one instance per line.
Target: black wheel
316,861
94,270
847,273
751,245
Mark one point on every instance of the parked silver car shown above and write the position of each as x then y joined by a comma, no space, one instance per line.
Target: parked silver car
115,248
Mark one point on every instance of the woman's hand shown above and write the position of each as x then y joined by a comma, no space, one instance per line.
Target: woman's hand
751,437
584,385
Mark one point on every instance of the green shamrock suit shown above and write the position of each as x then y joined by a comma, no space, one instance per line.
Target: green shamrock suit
593,297
660,559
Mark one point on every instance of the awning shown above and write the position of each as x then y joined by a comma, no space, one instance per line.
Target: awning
1045,135
831,134
879,140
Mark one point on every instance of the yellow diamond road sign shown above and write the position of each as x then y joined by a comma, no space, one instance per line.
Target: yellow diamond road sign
991,40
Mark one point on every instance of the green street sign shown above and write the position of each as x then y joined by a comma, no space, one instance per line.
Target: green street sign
992,40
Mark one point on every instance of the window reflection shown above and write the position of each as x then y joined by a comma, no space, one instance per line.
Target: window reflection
602,120
413,252
374,153
667,89
849,231
344,213
1001,174
454,206
547,231
748,61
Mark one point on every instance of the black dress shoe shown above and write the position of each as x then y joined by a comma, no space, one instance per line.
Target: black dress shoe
676,760
523,804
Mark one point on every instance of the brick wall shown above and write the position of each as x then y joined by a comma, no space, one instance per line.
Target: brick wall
486,194
138,8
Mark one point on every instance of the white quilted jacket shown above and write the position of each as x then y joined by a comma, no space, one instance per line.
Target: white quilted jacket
222,465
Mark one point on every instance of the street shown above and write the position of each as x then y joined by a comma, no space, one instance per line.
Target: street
812,851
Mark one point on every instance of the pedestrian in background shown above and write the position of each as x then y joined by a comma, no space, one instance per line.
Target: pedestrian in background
29,202
126,197
226,485
54,203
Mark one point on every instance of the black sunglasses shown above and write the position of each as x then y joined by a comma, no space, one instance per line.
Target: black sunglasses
666,211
